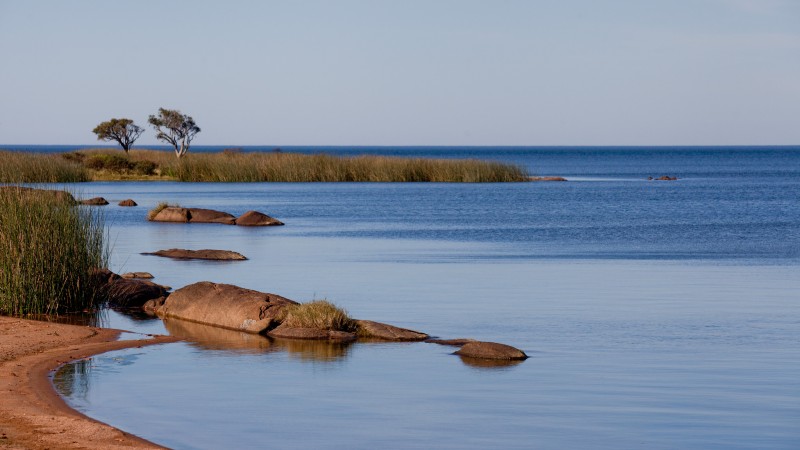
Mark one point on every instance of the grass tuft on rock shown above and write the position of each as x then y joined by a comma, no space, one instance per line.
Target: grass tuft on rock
49,249
320,315
160,207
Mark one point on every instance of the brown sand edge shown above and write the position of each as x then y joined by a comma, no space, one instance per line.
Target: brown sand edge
32,414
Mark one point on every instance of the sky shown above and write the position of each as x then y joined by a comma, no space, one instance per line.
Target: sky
406,72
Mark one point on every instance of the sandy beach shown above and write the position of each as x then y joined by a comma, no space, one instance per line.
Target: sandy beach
32,414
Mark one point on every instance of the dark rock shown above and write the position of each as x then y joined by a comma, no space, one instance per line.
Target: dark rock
256,219
666,178
216,255
200,215
128,202
172,214
490,350
547,179
103,276
147,275
133,293
285,332
96,201
225,306
151,306
453,342
385,332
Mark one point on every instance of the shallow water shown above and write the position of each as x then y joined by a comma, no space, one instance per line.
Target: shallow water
656,314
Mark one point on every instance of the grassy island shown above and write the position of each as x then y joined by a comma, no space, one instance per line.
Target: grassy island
237,166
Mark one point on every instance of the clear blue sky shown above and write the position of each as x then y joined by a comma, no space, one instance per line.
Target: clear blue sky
406,72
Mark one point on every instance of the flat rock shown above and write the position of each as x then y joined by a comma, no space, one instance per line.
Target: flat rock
208,254
128,202
285,332
133,293
144,275
95,201
224,305
453,342
547,179
385,332
172,214
490,350
200,215
256,219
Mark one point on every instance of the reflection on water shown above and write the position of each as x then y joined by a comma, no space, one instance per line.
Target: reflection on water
72,380
489,363
220,339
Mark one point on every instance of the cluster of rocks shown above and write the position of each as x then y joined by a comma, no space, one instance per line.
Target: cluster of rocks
246,310
201,215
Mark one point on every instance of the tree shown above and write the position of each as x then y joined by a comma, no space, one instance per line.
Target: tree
176,128
123,131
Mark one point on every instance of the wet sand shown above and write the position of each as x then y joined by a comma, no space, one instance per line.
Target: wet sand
32,414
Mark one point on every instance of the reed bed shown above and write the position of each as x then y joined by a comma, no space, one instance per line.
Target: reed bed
49,249
20,167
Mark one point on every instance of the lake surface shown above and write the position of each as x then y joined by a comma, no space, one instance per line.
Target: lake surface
655,314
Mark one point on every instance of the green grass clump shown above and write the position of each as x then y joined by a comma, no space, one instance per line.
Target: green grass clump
320,315
48,251
20,167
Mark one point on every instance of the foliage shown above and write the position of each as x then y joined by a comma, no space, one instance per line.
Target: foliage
319,314
124,131
48,251
19,167
176,128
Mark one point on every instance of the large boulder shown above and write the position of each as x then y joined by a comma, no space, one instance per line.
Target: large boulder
133,293
285,332
172,214
256,219
384,332
216,255
225,306
490,350
200,215
95,201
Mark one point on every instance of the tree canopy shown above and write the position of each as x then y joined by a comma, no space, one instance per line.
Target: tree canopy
174,127
124,131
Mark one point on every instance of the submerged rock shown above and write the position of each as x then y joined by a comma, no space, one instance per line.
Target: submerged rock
490,350
95,201
200,215
128,202
216,255
452,342
256,219
285,332
385,332
224,305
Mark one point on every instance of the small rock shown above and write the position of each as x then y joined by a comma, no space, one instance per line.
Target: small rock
96,201
216,255
666,178
547,179
146,275
256,219
385,332
490,350
128,202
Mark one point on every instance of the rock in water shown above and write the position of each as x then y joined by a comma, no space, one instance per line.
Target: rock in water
490,350
216,255
96,201
256,219
200,215
132,293
143,275
128,202
172,214
224,305
285,332
385,332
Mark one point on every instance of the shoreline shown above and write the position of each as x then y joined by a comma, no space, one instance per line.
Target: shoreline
32,414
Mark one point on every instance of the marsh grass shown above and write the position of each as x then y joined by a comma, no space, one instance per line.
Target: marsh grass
233,165
48,250
319,314
20,167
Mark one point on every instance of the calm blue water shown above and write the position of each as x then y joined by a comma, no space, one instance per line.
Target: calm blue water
656,314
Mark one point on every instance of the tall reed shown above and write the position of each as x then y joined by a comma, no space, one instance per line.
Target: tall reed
49,249
20,167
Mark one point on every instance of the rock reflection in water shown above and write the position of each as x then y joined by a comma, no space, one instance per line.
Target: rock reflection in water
221,339
489,363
